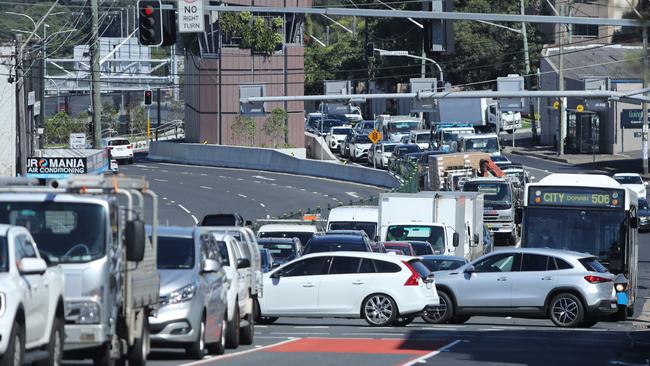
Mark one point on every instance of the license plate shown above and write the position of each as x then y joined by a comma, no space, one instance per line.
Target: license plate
612,305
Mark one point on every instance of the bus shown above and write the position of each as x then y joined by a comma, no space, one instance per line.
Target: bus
589,214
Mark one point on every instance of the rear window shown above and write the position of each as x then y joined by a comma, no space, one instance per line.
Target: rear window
436,265
591,264
386,267
118,142
303,236
319,247
420,268
422,248
220,220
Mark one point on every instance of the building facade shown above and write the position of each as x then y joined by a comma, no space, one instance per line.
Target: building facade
214,75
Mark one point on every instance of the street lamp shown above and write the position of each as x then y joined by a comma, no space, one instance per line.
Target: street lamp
407,54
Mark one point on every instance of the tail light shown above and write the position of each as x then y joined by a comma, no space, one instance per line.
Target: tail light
597,279
413,278
129,146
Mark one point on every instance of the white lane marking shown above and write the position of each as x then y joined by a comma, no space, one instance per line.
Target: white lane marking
241,179
312,327
196,221
184,209
204,187
172,201
165,198
261,204
299,333
242,195
186,173
352,194
263,178
204,175
161,180
223,176
145,166
230,355
424,358
165,171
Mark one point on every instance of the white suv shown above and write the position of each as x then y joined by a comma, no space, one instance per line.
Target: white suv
240,317
31,300
119,149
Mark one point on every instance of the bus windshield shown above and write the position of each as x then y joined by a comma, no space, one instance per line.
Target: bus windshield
595,231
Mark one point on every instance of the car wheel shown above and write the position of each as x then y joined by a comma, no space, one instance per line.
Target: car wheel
196,350
566,311
219,348
247,332
15,354
232,329
267,319
55,346
140,350
459,319
403,321
442,313
379,310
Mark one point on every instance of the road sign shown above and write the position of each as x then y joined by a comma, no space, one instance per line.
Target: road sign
556,104
190,16
374,136
77,140
580,108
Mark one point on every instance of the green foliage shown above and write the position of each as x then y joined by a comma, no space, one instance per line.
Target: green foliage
59,127
110,116
275,125
138,120
333,62
262,35
244,128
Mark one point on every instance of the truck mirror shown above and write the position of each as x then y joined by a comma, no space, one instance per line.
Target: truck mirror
243,263
135,240
477,240
518,213
456,240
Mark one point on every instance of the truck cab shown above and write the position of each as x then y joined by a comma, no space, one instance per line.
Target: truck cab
396,128
446,137
422,138
499,206
487,143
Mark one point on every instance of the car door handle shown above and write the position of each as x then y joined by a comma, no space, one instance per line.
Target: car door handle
502,279
547,278
358,283
308,285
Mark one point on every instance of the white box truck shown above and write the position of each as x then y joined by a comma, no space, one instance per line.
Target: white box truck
481,113
451,221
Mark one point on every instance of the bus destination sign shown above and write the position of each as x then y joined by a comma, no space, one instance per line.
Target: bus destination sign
576,197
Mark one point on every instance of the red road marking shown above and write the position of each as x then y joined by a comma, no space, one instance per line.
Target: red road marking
356,345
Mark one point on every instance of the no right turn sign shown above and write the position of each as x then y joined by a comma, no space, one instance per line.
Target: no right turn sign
190,16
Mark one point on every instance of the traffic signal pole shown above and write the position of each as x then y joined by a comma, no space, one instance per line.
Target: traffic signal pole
94,75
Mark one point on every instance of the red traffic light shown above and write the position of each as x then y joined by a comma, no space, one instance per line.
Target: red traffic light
148,11
148,96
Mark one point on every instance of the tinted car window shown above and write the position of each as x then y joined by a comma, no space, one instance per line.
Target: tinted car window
562,264
370,228
279,250
422,248
307,267
591,264
343,265
436,265
223,253
303,236
497,263
367,266
386,267
222,220
335,245
420,268
175,252
118,142
4,255
534,262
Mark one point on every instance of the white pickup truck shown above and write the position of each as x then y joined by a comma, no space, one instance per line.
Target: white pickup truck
31,301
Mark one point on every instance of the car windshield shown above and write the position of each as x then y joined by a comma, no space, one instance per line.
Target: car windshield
313,121
279,250
341,131
65,232
435,235
496,194
367,125
436,265
643,204
302,235
362,139
222,248
408,149
401,248
520,175
329,123
175,252
403,126
423,137
482,144
4,255
628,179
334,246
389,148
370,228
595,231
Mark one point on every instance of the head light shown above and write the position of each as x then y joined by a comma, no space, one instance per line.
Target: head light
620,287
182,294
82,312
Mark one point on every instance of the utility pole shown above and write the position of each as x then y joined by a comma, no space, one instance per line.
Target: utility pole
561,87
158,106
531,106
94,75
20,118
644,106
367,59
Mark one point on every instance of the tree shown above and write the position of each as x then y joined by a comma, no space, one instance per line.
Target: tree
59,127
244,128
260,34
110,117
275,125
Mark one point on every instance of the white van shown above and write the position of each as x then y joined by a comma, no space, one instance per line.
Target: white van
302,232
354,218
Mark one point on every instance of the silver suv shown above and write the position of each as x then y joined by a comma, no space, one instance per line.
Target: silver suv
570,288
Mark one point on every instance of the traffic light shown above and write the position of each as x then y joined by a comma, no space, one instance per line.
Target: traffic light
370,49
150,22
148,96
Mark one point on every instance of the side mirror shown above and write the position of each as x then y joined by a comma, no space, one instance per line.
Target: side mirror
456,240
134,240
248,223
477,240
243,263
518,214
470,269
210,266
32,266
276,274
275,265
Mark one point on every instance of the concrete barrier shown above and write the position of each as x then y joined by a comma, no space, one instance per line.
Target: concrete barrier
267,160
317,148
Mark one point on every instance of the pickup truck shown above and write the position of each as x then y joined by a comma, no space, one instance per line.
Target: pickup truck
31,301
